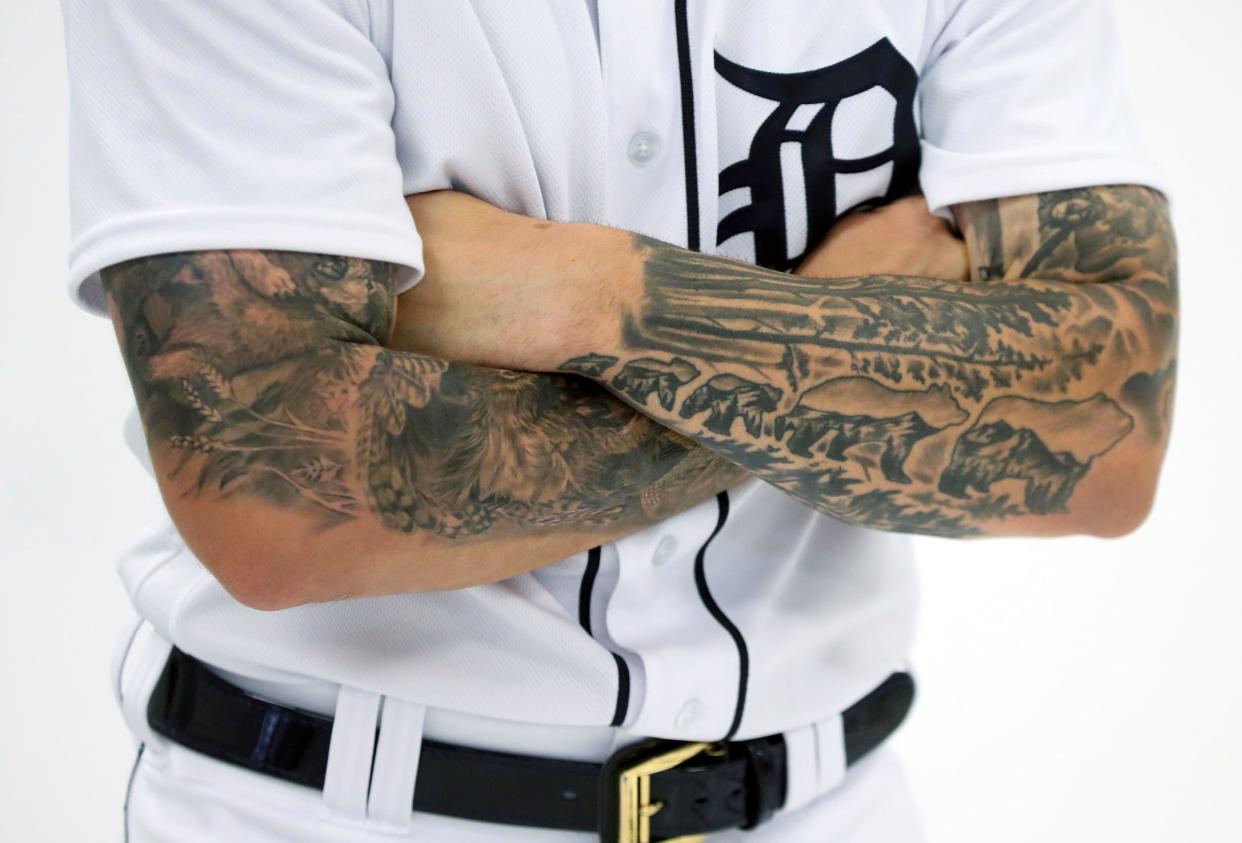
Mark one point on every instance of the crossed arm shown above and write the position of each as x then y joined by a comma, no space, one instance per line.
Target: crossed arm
1034,401
303,460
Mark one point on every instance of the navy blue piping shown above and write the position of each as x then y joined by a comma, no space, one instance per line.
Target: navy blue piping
700,580
690,153
584,619
688,142
129,788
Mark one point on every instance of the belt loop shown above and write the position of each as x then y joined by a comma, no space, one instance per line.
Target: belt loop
120,654
391,803
801,769
349,755
830,740
814,761
138,671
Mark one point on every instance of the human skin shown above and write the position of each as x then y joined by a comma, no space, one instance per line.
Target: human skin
303,461
1033,401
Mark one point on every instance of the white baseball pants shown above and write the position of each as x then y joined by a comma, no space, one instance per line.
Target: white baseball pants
177,795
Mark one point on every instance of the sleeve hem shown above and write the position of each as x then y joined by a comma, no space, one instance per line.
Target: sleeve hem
237,228
950,178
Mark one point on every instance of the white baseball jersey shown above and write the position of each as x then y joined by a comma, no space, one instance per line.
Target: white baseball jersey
728,126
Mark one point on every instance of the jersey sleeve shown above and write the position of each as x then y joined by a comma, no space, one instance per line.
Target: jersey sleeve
197,124
1027,96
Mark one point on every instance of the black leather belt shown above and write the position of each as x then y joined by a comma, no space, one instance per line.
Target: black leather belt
652,790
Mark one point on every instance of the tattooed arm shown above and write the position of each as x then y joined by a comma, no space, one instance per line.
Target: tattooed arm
302,461
1032,402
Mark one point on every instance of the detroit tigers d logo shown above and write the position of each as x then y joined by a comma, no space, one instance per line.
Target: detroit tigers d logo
805,111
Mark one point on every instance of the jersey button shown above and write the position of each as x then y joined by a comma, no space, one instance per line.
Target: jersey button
664,551
689,713
644,147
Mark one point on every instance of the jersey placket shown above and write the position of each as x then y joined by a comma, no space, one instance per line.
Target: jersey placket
643,159
690,669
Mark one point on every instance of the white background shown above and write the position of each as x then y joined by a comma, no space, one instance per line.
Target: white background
1071,690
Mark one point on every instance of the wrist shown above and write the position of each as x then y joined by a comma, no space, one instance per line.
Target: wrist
595,275
512,292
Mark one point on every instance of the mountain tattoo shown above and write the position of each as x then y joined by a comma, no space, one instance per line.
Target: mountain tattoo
918,404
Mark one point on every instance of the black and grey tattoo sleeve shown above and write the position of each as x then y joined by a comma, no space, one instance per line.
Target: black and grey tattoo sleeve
263,375
917,404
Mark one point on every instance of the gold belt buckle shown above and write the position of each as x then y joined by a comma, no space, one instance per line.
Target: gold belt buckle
628,809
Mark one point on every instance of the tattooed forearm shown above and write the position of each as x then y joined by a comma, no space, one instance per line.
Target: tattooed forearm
262,376
1116,234
918,404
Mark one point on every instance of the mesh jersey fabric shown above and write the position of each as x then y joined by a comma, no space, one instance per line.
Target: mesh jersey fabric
300,124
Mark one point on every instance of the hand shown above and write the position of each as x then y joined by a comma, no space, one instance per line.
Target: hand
903,238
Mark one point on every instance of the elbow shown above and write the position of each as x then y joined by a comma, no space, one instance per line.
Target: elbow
1117,520
1122,506
257,585
271,559
1101,518
258,578
261,565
